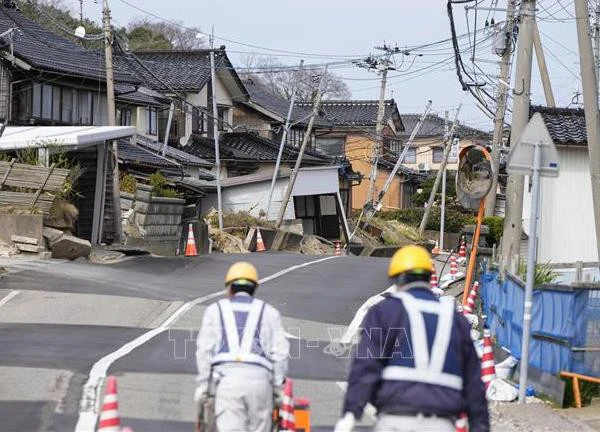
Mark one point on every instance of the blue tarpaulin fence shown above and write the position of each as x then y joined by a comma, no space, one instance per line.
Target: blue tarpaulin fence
565,326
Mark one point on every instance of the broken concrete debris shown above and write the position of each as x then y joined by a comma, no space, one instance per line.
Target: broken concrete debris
65,245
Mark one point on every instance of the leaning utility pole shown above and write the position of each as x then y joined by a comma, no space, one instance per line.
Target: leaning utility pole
541,61
284,137
501,95
305,139
215,114
511,239
590,104
443,201
111,113
438,177
383,65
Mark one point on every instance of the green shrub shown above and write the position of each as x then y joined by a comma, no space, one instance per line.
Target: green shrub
544,274
454,220
496,226
160,186
127,183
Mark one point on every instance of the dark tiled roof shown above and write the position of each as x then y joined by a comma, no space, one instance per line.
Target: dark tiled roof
49,52
357,112
134,155
185,71
433,125
402,170
277,105
182,157
566,125
139,95
243,146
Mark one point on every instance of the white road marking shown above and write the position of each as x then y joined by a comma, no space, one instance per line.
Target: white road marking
8,297
89,404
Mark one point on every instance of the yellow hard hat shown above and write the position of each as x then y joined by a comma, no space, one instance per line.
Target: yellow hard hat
241,270
410,258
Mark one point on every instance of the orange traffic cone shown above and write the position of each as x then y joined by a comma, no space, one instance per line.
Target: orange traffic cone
462,251
286,411
109,417
260,244
190,246
453,267
338,248
433,280
469,306
488,368
436,249
461,424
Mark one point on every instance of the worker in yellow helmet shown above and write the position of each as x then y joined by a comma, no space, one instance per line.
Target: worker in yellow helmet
242,356
415,361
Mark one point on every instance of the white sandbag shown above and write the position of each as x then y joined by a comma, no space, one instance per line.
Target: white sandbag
501,391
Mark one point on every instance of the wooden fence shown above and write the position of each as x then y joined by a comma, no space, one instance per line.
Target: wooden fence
30,187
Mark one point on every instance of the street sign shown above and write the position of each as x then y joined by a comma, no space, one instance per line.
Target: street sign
520,158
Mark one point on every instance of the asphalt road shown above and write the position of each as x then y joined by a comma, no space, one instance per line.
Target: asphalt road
66,316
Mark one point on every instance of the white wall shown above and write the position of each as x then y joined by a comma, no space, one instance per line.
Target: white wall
252,197
566,231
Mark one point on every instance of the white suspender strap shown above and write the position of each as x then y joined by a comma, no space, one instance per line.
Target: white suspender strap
251,326
428,366
443,333
231,332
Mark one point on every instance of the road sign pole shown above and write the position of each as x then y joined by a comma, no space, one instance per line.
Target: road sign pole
531,258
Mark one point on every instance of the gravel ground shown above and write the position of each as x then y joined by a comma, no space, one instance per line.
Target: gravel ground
532,417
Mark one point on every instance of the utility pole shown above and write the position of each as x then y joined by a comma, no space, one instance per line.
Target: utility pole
382,65
305,140
541,60
163,150
284,137
511,239
590,104
438,177
501,95
597,40
111,113
443,203
215,114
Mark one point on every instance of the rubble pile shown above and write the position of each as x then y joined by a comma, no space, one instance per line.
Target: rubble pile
315,245
225,242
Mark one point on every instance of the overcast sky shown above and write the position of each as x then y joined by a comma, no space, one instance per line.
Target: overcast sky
339,30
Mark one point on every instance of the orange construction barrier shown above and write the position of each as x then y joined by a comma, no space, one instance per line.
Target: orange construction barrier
190,246
576,377
260,244
302,414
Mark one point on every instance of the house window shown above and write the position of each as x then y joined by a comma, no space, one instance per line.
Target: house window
67,105
411,156
304,206
330,146
223,114
152,121
198,119
84,105
438,154
124,116
46,101
56,95
37,100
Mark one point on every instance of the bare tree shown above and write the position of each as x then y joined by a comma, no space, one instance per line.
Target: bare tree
178,36
280,79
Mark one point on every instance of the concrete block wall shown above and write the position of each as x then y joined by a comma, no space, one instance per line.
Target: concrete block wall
160,220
